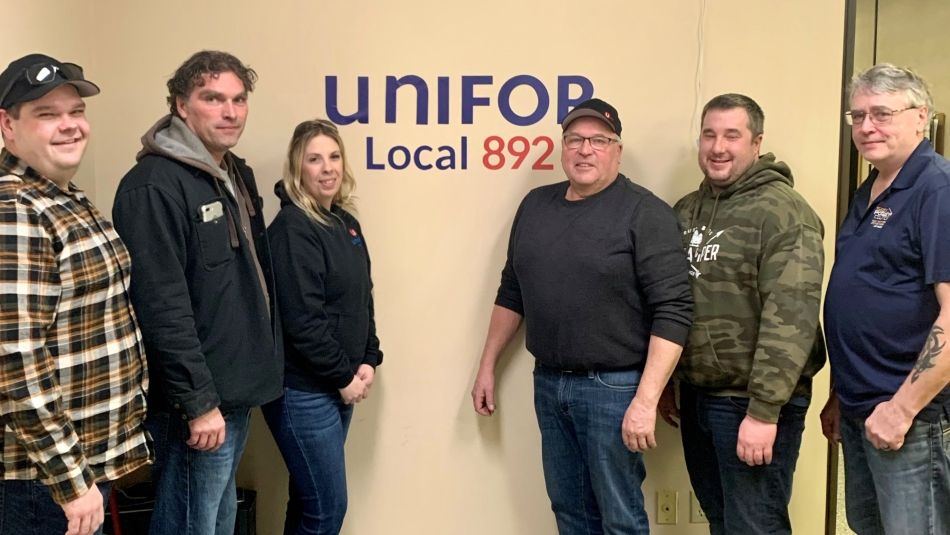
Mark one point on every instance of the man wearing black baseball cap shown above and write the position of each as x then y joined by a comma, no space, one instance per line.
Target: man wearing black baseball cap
40,81
72,364
596,267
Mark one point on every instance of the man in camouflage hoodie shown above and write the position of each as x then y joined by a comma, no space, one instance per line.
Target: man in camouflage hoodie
756,260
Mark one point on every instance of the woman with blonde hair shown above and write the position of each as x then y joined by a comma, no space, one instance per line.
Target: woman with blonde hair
324,294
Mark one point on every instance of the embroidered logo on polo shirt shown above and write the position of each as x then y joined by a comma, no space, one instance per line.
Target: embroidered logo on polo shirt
880,216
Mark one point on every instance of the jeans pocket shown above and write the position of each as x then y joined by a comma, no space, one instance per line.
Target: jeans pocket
945,432
619,380
801,402
740,403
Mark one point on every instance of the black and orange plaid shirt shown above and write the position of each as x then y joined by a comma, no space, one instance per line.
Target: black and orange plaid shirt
73,375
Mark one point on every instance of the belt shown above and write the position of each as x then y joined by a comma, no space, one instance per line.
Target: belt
581,371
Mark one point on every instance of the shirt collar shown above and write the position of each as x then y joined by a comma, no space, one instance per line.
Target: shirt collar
11,165
914,165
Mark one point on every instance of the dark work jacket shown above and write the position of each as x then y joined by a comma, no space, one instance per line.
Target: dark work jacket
211,337
325,297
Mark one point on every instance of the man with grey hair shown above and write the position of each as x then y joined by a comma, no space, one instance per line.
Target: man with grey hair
887,312
756,260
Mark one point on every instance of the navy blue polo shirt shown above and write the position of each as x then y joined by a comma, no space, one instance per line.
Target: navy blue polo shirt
880,304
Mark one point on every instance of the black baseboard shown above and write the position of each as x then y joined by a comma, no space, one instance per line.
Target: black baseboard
137,501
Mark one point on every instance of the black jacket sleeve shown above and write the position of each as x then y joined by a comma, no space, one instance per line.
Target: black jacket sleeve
374,356
300,271
154,225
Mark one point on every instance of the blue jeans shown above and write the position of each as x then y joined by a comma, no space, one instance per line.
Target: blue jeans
898,492
736,497
195,492
310,429
592,479
27,508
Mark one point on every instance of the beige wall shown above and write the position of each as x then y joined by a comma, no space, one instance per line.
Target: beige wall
913,33
865,20
41,26
419,460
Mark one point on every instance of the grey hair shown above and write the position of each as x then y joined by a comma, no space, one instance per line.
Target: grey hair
888,78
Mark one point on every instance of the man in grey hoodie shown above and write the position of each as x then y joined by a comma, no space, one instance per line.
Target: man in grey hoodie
202,286
756,257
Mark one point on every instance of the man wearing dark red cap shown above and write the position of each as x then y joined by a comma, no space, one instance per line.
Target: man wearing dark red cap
72,364
596,270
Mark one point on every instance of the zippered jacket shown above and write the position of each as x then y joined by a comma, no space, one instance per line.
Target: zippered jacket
212,334
325,294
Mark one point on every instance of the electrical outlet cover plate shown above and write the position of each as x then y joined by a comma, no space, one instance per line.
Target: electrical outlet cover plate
665,507
696,514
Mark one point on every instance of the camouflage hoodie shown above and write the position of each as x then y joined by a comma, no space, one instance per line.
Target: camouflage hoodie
756,261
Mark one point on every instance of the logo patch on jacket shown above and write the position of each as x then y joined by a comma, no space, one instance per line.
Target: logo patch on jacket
880,216
356,237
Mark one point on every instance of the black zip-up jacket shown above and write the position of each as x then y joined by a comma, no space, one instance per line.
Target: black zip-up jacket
212,337
325,297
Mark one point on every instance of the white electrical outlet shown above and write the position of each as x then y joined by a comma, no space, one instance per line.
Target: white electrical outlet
666,507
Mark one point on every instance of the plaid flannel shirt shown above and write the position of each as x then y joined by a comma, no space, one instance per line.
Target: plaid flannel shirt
73,374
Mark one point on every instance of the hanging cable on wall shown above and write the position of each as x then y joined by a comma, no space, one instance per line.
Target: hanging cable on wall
700,58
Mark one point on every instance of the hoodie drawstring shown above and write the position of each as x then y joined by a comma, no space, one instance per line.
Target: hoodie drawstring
698,206
712,216
232,229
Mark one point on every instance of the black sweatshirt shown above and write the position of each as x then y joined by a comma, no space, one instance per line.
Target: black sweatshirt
595,278
325,291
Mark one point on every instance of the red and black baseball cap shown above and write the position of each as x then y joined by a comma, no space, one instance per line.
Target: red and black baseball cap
594,108
35,75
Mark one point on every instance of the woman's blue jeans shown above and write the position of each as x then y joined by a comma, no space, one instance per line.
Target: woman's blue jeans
310,429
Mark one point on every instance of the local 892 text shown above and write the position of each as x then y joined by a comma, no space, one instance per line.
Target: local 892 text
494,152
497,153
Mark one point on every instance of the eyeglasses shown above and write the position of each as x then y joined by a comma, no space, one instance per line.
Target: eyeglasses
575,142
44,73
879,115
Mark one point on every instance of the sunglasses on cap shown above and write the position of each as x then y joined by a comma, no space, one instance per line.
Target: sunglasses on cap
43,73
